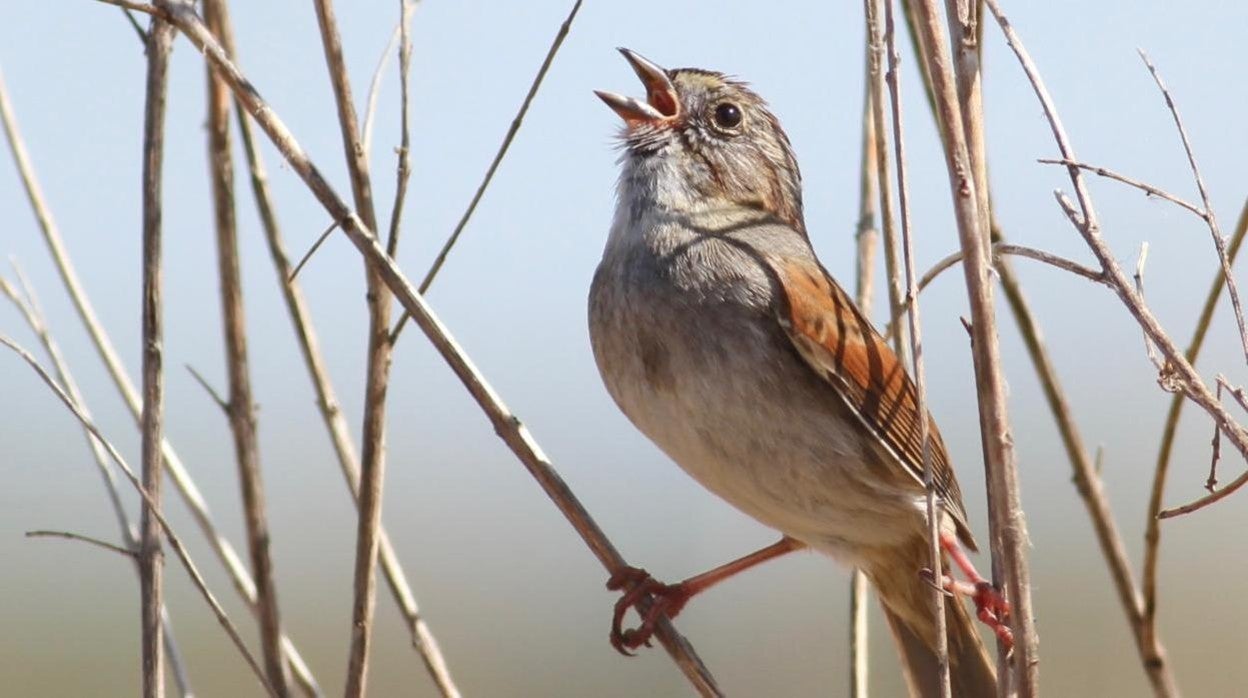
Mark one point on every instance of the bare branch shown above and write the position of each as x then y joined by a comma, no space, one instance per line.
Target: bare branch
1142,186
174,541
320,240
67,535
151,558
377,371
506,424
241,407
28,305
935,507
1008,531
212,392
125,386
498,159
1219,242
422,637
1152,531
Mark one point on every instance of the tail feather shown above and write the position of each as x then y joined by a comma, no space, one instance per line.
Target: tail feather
906,600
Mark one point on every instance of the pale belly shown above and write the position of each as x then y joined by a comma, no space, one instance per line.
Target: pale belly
723,395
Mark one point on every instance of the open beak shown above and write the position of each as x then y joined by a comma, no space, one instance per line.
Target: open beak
661,103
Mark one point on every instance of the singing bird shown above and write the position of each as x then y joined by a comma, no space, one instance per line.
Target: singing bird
724,340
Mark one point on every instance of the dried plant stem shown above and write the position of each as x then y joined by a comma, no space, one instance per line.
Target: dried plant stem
1090,487
327,401
512,130
1219,242
506,424
1008,531
1152,531
1142,186
175,541
240,406
68,535
182,479
28,305
403,171
372,455
151,558
865,236
934,506
1179,374
876,59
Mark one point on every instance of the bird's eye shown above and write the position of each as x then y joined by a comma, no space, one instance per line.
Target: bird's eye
727,116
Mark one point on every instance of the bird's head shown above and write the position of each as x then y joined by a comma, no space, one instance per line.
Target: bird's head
700,139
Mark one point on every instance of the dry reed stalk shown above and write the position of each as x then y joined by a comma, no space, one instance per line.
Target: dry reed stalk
1178,374
240,407
377,371
422,637
506,424
150,504
1152,532
512,130
933,504
151,558
28,306
865,238
1008,531
182,479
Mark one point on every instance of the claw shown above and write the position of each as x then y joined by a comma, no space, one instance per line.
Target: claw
665,601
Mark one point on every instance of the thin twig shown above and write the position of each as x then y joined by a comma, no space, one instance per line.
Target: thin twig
1138,277
865,236
1180,370
182,479
67,535
320,240
151,558
241,410
1008,531
422,637
506,424
1129,181
175,541
876,60
403,171
28,305
498,159
1152,530
1219,242
134,24
374,86
999,249
1091,488
935,507
212,392
377,370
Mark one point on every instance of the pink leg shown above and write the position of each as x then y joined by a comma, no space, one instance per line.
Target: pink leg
990,606
669,599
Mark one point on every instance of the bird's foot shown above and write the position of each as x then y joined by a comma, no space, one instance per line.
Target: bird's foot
653,600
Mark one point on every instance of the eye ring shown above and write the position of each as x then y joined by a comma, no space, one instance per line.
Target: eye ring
726,117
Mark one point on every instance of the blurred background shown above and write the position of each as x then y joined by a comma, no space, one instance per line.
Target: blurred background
512,594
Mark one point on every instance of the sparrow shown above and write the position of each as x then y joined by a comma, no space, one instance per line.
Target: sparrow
723,339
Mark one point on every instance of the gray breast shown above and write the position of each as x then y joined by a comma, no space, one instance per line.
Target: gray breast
687,343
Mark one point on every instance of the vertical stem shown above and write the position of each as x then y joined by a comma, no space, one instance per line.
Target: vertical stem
372,462
865,241
1152,530
151,558
933,504
1007,524
240,406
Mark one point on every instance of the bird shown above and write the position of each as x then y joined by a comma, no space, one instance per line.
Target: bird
723,339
